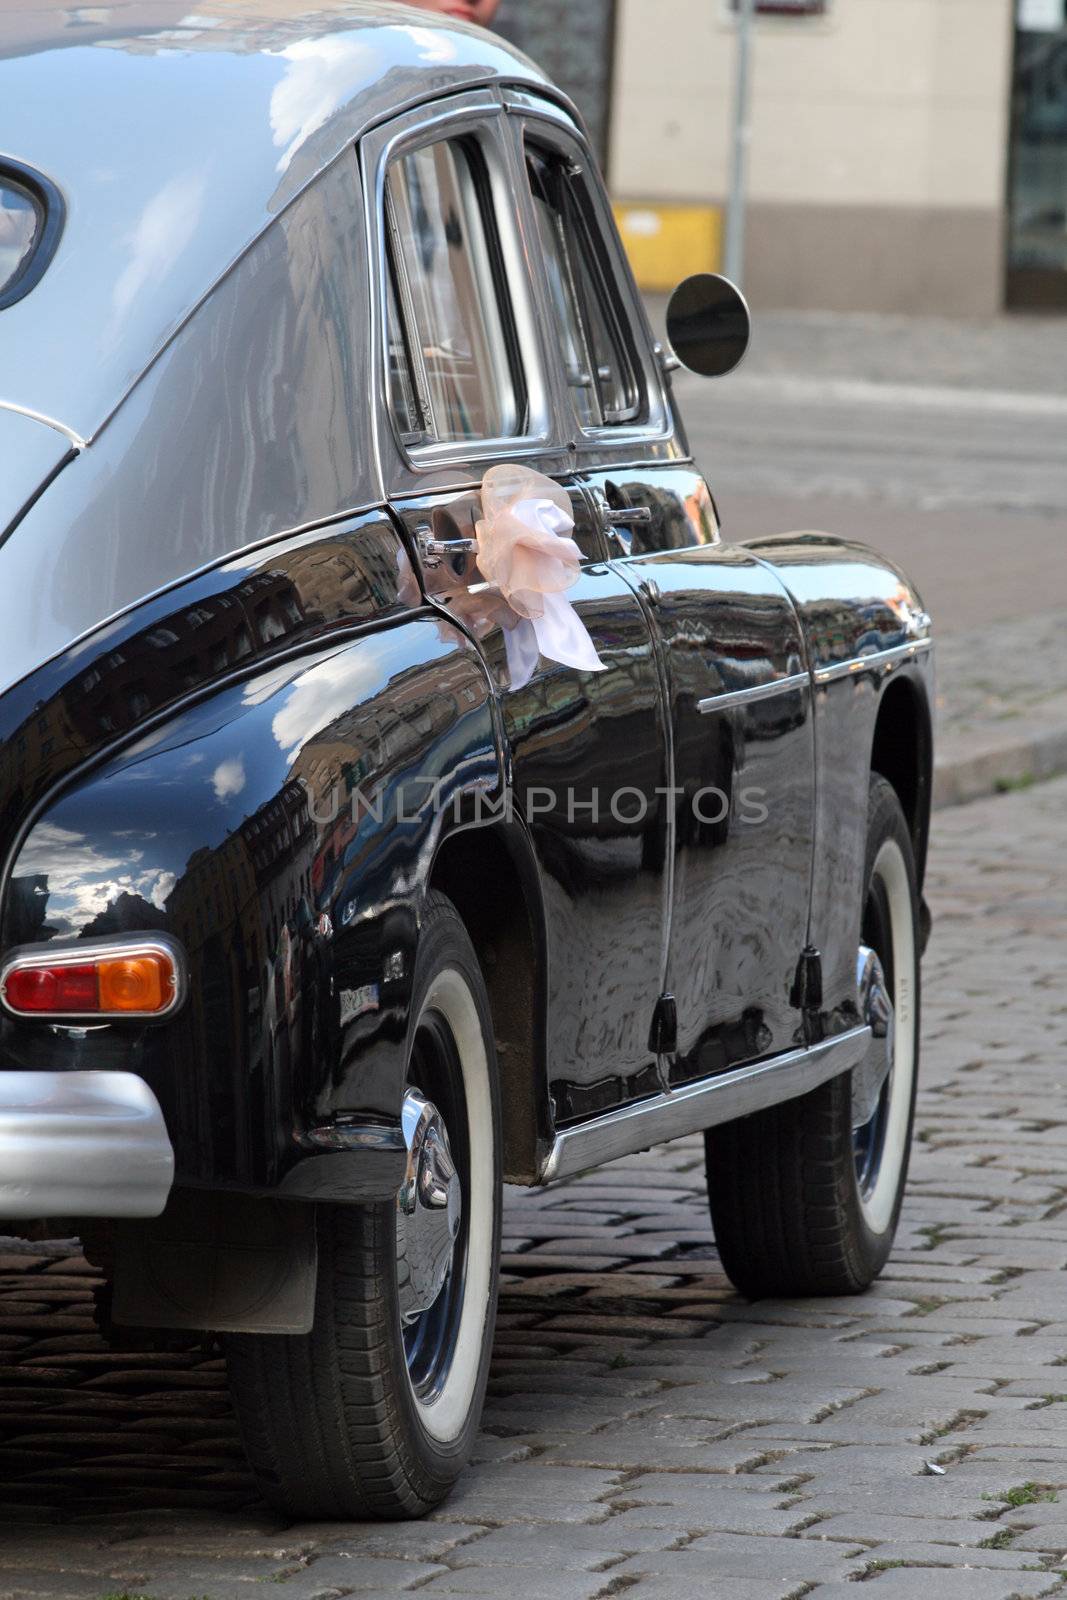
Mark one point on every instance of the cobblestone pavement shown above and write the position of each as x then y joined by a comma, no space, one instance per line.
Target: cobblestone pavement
649,1434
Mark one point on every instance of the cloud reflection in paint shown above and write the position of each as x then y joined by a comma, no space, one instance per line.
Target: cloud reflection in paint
163,230
321,75
228,778
83,880
335,687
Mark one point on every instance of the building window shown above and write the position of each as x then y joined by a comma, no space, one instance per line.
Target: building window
786,8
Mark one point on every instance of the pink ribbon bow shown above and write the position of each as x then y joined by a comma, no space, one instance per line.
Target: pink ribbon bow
525,550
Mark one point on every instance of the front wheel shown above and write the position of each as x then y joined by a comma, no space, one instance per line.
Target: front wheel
374,1412
805,1197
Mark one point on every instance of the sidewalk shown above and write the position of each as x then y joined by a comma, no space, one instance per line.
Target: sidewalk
942,444
1002,707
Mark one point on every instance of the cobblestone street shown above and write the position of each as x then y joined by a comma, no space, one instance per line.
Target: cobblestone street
648,1434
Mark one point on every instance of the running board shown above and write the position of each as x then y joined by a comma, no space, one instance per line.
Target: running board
704,1104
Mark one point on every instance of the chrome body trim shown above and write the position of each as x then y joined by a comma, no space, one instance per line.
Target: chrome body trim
759,691
49,422
82,1144
81,952
878,660
703,1104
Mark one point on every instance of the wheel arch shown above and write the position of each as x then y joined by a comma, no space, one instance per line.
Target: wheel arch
489,875
902,752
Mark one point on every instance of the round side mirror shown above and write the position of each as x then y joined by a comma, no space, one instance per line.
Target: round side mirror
708,324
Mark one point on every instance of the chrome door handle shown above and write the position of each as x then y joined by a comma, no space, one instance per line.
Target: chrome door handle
433,551
623,518
651,591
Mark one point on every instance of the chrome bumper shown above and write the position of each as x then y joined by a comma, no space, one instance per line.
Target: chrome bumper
82,1144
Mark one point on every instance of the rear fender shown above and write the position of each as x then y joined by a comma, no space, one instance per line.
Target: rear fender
283,830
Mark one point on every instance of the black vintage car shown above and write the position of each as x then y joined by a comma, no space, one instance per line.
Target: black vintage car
403,790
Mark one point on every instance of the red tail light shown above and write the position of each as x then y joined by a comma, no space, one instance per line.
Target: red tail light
136,977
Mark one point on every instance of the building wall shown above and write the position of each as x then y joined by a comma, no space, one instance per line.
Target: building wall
572,41
878,158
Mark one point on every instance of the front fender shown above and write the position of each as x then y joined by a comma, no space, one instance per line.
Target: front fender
283,830
851,600
870,653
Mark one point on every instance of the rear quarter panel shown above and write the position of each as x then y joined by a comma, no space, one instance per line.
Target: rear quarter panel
272,813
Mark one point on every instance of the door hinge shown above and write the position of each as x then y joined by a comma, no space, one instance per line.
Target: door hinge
663,1035
807,985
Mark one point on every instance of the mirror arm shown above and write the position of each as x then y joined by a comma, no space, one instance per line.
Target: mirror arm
668,361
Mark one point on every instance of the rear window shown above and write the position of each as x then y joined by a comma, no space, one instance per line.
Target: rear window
30,218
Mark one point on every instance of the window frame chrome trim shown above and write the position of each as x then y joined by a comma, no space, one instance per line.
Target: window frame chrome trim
875,661
563,130
706,1103
53,216
493,297
750,696
473,112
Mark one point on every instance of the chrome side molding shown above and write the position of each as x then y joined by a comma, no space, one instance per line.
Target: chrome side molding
877,660
704,1104
758,691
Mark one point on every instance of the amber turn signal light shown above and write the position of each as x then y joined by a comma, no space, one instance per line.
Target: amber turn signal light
135,983
137,978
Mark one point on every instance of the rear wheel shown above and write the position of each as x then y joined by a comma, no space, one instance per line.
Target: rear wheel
805,1197
373,1413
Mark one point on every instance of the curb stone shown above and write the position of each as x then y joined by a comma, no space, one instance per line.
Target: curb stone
979,765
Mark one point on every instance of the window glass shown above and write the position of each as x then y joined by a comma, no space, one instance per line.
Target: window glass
574,344
599,368
20,225
406,410
453,369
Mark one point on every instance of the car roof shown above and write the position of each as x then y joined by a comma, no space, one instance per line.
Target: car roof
175,136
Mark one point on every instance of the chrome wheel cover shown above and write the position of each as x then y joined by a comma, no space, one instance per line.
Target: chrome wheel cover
429,1209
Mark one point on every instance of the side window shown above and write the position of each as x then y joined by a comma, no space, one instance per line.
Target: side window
601,370
454,368
20,226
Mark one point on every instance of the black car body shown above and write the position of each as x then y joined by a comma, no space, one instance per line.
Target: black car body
252,707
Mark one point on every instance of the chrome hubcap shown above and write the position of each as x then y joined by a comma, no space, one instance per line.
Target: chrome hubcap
876,1010
429,1208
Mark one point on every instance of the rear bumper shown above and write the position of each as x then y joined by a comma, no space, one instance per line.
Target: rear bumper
82,1144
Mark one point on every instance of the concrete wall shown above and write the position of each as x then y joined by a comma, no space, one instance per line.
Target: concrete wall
880,133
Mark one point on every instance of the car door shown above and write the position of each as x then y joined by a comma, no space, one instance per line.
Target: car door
469,382
731,646
742,733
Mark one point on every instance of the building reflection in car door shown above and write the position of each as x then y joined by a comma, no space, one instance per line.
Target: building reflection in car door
742,865
589,775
